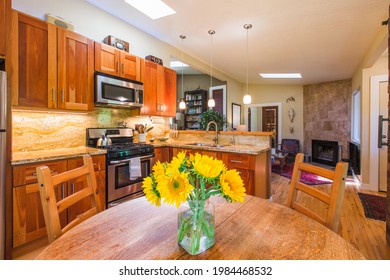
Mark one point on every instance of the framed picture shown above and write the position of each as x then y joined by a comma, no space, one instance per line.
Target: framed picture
236,115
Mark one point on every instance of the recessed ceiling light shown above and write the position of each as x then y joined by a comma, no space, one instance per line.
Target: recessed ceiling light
177,63
152,8
281,75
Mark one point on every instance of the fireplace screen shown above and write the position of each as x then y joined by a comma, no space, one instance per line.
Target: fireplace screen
325,152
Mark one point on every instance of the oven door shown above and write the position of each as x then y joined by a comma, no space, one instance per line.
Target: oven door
119,183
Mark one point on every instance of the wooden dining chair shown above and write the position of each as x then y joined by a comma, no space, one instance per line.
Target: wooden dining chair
53,207
333,200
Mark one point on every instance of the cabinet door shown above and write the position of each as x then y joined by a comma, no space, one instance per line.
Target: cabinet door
34,75
161,154
28,220
168,93
106,59
75,70
130,66
149,77
5,12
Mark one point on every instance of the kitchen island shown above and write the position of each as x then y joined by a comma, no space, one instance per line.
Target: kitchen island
253,230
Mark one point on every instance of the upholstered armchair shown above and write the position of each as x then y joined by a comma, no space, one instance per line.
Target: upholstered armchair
289,146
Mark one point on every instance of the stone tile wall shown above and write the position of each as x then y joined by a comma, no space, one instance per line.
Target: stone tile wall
327,114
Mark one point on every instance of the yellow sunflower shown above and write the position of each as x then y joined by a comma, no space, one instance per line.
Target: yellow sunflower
207,167
175,188
158,169
152,194
177,162
232,186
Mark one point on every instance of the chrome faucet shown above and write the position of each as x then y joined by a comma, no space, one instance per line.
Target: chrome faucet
216,131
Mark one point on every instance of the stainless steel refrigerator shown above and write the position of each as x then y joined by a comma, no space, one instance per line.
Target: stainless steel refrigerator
3,125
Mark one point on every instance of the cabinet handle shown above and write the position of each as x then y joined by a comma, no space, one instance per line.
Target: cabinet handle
52,94
236,161
123,68
63,96
117,67
72,186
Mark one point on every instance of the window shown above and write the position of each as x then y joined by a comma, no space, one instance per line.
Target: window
355,123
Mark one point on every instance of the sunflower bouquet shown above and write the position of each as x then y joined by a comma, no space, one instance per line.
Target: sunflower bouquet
193,180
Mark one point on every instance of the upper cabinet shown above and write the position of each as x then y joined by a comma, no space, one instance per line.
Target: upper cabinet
159,90
116,62
5,11
51,67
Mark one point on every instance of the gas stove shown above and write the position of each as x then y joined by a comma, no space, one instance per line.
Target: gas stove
122,143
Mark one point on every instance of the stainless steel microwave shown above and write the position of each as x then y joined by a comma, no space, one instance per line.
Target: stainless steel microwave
112,91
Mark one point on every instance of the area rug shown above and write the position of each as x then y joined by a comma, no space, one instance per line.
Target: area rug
307,178
374,206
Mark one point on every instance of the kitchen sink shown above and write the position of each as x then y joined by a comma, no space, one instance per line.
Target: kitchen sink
207,145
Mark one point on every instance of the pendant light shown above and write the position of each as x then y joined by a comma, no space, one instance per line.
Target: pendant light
247,97
211,101
182,103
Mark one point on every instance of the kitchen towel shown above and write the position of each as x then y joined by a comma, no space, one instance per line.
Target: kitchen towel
135,168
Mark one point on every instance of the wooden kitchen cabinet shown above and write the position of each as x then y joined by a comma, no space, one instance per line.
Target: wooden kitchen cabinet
5,12
28,220
75,69
116,62
161,154
51,67
245,165
159,89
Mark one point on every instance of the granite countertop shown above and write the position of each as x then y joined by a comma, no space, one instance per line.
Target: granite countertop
55,154
229,148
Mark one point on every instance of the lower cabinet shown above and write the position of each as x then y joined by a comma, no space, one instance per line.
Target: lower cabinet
254,170
162,154
28,220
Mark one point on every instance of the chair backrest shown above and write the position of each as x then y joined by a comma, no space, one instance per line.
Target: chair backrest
290,146
333,200
53,207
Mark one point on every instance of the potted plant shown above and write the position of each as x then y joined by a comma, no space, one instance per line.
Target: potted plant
211,115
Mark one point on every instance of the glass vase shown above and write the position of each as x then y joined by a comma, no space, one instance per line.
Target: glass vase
196,225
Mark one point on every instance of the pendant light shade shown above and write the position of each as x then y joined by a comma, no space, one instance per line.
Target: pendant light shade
211,101
247,98
182,104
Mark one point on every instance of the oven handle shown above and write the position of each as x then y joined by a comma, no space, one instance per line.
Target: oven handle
127,160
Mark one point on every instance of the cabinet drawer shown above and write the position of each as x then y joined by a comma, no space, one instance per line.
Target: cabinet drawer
99,162
239,161
27,174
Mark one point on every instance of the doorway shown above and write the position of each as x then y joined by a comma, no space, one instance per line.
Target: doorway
378,106
269,122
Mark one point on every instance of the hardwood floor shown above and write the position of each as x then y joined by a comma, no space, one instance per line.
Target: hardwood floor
367,235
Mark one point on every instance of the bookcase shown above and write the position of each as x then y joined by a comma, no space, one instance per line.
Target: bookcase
196,104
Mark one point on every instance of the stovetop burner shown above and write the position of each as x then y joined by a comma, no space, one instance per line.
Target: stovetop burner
122,143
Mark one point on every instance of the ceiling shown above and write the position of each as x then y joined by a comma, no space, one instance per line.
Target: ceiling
323,40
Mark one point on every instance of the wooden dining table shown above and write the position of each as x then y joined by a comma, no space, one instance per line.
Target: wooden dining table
252,230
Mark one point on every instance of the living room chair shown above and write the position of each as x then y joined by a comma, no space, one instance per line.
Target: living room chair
289,147
52,208
333,200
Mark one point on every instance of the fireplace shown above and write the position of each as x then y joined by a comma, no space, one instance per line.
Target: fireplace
325,152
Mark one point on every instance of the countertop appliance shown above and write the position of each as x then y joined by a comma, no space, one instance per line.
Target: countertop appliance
113,91
128,163
3,125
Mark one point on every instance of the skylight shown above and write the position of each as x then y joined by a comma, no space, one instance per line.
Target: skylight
177,64
281,75
152,8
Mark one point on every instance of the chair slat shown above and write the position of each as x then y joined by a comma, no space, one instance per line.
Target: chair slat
320,171
324,197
